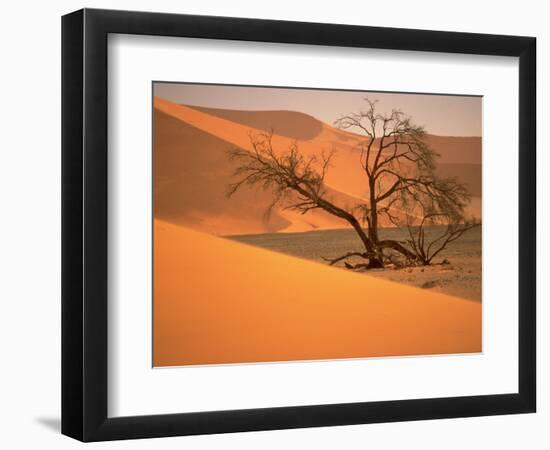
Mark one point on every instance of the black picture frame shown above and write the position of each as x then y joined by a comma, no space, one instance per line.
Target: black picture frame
84,224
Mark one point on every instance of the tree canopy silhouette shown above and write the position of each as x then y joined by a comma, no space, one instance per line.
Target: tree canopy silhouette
400,180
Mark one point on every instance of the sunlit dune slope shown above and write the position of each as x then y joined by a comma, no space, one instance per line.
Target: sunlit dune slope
218,301
300,126
291,124
346,174
193,171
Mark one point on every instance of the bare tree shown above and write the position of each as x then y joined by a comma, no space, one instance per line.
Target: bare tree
440,206
399,169
296,181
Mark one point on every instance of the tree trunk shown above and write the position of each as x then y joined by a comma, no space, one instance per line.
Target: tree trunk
373,225
375,261
378,261
394,245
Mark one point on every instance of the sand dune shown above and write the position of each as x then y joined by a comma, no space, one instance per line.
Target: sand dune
457,149
345,175
192,173
218,301
469,174
291,124
192,170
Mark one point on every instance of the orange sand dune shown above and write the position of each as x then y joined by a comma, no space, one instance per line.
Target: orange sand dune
192,170
192,173
345,175
470,175
314,136
218,301
457,149
292,124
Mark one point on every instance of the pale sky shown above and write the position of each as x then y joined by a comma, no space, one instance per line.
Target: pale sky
445,115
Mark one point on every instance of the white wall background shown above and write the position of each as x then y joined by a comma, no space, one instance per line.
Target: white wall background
30,225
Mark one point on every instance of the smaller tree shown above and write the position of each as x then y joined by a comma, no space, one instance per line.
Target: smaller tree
438,208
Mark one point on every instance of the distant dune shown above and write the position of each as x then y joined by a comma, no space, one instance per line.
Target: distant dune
469,174
192,173
291,124
217,301
457,149
192,170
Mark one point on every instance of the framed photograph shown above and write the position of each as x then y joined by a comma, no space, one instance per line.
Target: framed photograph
273,225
